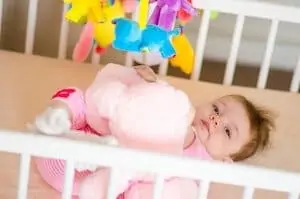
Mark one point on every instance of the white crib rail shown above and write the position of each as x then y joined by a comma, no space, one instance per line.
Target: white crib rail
242,9
163,165
64,33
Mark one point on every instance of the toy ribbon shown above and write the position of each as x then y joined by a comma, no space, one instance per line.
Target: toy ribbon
143,13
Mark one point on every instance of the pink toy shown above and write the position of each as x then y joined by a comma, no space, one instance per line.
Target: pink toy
158,120
85,44
165,12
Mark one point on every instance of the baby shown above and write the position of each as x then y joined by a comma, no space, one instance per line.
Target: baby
231,127
228,129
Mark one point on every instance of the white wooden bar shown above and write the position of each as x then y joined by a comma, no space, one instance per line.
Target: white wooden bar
294,195
95,56
204,189
296,78
265,67
68,179
24,175
1,17
168,165
260,9
31,24
129,60
112,184
201,41
248,193
158,187
64,32
163,67
235,44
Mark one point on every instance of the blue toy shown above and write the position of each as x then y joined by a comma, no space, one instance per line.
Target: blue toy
130,37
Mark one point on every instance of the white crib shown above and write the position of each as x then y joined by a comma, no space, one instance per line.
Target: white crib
249,177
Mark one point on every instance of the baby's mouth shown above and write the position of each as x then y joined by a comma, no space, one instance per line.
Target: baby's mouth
205,124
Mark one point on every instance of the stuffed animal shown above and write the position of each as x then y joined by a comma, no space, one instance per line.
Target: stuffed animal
183,15
82,8
184,58
152,116
101,32
165,12
129,37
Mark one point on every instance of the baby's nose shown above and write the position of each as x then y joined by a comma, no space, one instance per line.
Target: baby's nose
215,119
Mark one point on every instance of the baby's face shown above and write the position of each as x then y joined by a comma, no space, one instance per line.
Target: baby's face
223,127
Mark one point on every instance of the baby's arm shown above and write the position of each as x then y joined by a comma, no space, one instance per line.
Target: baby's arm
66,111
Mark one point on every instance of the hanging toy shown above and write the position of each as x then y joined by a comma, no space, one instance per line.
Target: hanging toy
132,36
184,58
165,12
81,9
186,17
101,33
183,15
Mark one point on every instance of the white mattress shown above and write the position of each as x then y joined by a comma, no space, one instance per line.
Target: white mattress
27,82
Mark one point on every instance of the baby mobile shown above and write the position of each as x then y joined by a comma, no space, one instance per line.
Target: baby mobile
105,24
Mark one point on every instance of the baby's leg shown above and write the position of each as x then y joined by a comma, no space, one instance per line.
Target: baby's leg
71,100
174,189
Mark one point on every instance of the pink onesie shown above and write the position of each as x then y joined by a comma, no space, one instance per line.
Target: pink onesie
175,187
87,119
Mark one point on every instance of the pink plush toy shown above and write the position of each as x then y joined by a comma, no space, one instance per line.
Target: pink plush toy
152,116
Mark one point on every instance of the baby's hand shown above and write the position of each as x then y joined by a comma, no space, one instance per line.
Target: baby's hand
53,121
146,73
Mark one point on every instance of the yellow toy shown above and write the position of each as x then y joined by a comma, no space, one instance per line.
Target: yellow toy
184,58
83,8
100,29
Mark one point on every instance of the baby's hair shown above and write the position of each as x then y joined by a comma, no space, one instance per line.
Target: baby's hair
261,124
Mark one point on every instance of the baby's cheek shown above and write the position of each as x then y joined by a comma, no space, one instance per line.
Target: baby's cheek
217,146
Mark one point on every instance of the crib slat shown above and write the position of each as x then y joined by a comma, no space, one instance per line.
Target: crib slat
24,176
68,180
31,23
163,67
158,187
203,189
1,16
296,78
201,41
64,32
231,63
95,56
129,56
129,60
248,193
294,195
112,184
264,69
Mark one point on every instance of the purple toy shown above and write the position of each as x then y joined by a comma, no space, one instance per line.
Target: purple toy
165,12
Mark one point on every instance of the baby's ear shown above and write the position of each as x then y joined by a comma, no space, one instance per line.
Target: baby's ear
228,160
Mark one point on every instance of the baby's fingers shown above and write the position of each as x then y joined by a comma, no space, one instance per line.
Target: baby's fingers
146,73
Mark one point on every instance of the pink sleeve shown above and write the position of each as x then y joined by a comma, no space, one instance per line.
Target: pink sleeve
74,98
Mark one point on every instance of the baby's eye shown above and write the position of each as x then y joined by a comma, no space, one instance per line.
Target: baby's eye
216,109
228,132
